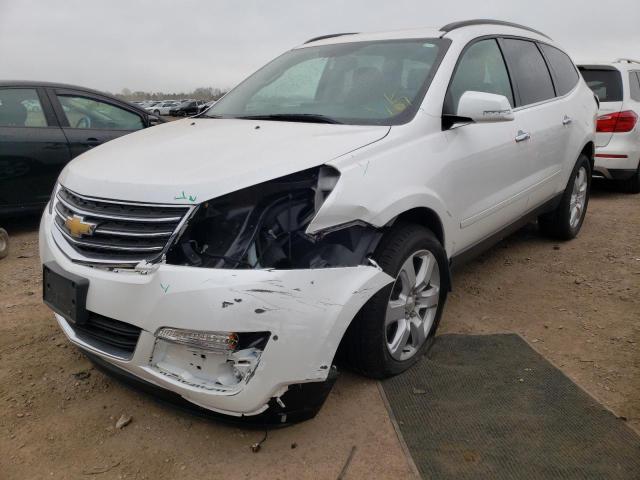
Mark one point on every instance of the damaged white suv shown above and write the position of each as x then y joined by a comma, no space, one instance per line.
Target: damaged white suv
221,260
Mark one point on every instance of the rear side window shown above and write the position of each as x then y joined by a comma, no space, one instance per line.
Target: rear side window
634,82
529,71
606,83
565,75
481,69
20,107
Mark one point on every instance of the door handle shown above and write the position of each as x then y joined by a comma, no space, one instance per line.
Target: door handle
91,142
522,136
566,120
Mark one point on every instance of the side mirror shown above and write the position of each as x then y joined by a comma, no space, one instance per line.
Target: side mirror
481,107
153,120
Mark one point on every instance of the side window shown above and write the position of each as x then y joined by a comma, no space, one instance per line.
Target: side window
481,69
84,112
20,107
634,82
564,72
529,71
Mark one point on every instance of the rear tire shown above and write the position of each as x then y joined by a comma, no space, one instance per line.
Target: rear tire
379,345
565,221
4,243
632,185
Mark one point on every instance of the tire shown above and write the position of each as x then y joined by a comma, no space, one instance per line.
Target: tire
565,221
632,185
4,243
156,113
370,339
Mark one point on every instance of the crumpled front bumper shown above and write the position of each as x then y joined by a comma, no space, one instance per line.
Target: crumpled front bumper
305,311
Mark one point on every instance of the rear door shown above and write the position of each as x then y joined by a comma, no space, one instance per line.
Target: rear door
541,118
33,148
89,120
606,83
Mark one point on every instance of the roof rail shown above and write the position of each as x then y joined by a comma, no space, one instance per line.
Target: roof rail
627,60
325,37
467,23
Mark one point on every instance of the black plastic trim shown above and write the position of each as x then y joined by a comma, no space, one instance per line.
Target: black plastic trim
473,251
301,402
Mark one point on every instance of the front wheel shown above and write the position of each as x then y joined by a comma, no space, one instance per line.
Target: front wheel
399,322
4,243
566,220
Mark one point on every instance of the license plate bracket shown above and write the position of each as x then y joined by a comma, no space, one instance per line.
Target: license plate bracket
65,293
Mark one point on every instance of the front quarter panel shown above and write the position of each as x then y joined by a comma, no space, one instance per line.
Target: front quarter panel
381,181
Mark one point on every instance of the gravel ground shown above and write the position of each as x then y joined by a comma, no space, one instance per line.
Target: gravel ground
577,303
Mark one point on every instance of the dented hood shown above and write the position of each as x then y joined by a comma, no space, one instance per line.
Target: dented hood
193,160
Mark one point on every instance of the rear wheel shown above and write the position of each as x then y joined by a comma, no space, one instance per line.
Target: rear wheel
399,322
632,185
4,243
566,220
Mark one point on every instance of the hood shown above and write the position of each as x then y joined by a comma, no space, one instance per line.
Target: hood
193,160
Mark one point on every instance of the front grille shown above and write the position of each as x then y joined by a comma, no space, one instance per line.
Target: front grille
114,232
108,335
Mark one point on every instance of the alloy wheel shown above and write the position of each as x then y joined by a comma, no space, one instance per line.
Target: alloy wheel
412,305
578,197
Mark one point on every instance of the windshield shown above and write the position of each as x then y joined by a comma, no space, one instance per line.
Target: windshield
365,83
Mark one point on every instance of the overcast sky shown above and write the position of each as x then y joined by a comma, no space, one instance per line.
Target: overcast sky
163,45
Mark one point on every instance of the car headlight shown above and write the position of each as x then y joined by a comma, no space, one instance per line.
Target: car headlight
264,226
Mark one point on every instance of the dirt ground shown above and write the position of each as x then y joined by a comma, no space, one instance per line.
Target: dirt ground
577,303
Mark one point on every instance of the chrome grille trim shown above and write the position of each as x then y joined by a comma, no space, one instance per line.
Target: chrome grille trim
86,213
102,246
125,233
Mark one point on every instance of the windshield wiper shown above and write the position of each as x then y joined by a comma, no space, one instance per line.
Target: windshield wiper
292,117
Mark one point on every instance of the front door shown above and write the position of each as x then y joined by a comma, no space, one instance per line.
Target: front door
488,169
88,120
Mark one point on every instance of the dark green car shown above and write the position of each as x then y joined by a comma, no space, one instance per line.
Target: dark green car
43,126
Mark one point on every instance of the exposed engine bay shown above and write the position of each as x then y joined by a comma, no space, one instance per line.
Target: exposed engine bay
263,226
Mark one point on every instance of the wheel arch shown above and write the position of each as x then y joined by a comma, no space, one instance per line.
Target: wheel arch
427,218
589,150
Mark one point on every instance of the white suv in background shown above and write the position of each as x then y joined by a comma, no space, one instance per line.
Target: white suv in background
617,85
224,259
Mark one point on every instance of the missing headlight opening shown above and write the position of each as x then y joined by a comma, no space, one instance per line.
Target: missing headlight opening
263,226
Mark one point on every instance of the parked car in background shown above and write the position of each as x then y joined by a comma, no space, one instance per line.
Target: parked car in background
43,126
186,109
206,106
319,203
162,108
617,85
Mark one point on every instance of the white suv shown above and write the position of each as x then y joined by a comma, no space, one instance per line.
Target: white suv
224,258
617,85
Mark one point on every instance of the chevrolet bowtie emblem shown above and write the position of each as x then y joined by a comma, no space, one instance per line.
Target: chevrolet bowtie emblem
78,227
